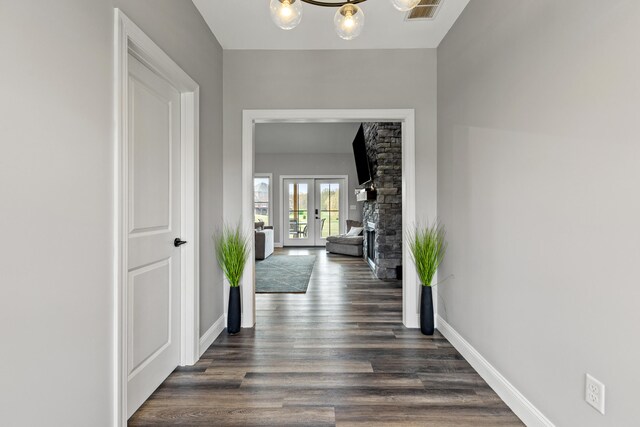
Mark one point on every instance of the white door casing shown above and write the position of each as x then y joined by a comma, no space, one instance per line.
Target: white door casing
410,284
144,255
154,263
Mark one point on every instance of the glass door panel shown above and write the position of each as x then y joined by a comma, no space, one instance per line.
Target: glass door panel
329,209
261,200
299,212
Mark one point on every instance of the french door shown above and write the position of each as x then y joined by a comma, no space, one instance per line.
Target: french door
313,210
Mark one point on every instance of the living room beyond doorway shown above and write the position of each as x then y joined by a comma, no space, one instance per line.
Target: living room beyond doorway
313,210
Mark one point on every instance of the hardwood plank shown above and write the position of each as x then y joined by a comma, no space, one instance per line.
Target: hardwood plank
288,365
433,415
333,381
235,416
388,396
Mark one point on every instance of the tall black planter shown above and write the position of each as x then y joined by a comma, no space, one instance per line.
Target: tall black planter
234,313
426,311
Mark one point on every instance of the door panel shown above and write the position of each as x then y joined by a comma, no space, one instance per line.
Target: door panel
153,264
298,210
150,297
150,157
329,220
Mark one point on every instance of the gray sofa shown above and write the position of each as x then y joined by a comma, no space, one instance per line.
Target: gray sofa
263,240
346,245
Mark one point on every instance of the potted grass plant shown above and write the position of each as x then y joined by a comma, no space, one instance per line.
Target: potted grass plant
428,246
232,250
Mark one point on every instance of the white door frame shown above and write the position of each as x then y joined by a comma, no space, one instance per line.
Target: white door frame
129,39
410,284
344,197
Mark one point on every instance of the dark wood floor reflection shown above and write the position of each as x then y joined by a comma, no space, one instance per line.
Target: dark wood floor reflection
337,355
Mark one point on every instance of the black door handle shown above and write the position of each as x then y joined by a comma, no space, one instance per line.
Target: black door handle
177,243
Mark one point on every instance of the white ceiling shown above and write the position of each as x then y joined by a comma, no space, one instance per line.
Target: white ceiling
305,138
246,24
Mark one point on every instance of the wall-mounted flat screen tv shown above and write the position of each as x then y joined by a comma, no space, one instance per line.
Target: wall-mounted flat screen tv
362,160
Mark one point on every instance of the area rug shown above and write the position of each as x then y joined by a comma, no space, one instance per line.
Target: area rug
284,273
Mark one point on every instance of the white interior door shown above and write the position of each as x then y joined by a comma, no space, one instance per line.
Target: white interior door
329,209
153,263
298,210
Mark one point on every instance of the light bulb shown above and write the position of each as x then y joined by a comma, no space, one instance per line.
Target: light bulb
404,5
286,14
349,21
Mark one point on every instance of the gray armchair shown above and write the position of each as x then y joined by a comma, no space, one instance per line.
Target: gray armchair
263,240
347,245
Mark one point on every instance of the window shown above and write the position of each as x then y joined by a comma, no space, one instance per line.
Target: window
262,198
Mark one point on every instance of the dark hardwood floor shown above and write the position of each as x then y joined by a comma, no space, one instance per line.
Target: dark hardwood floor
337,355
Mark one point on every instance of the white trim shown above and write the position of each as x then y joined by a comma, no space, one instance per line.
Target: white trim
345,197
278,245
518,403
129,39
212,333
410,288
270,176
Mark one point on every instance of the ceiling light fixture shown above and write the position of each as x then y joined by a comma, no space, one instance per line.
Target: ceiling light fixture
286,13
348,20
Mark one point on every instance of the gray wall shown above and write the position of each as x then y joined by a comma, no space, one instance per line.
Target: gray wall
56,196
308,164
404,78
538,150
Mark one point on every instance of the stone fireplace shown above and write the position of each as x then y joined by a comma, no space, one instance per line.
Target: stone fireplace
382,217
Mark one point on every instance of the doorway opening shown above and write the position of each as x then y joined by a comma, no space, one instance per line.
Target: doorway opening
252,118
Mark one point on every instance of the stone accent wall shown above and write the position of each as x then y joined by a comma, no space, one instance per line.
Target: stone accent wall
384,148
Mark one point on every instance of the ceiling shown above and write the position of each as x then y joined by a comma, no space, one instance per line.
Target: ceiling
246,24
305,138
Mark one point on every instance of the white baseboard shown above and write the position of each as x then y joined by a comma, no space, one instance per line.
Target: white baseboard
519,404
278,245
212,333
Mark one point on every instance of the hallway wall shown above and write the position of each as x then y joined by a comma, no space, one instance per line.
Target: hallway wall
56,189
264,79
538,149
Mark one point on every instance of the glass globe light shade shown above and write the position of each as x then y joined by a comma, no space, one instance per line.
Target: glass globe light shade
286,14
349,21
404,5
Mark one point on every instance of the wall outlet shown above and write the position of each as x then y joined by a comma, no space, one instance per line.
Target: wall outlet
594,393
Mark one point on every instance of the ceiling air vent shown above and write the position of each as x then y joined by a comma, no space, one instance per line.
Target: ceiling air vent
426,10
